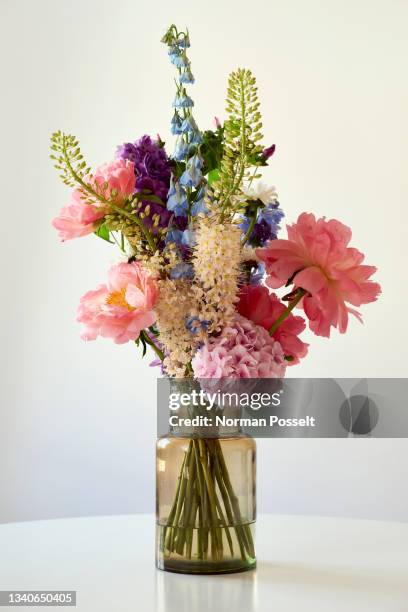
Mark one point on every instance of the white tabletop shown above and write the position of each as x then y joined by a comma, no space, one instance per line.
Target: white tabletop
303,564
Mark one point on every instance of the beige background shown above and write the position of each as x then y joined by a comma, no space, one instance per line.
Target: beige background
78,421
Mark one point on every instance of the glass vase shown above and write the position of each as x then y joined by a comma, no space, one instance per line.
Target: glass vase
205,503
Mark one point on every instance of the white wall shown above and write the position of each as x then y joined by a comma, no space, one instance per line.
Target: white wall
78,421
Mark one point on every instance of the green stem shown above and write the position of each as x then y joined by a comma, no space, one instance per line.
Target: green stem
79,180
139,222
250,228
152,344
300,293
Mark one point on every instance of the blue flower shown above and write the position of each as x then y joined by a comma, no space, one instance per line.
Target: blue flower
186,76
244,225
191,177
176,124
181,151
273,215
183,101
188,238
178,57
174,235
199,205
196,138
182,270
184,42
189,125
177,200
258,274
193,324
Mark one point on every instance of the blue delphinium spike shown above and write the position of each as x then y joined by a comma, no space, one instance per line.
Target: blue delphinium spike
184,41
188,238
180,61
174,235
186,76
176,124
177,200
196,138
189,125
182,270
183,101
181,150
199,206
192,175
178,57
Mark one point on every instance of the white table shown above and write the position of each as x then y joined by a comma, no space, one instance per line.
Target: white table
303,564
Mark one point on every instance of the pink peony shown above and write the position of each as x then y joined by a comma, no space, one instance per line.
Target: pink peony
122,308
242,350
116,180
78,218
317,259
263,308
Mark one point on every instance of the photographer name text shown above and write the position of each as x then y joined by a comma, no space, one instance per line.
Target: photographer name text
223,421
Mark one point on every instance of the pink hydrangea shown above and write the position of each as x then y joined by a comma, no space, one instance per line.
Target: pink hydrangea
316,257
78,218
116,180
263,308
242,350
122,308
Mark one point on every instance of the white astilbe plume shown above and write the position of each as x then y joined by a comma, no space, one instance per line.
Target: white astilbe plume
172,308
216,262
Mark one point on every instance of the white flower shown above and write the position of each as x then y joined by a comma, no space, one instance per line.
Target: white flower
261,192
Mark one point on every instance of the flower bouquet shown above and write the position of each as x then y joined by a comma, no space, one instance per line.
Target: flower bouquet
201,259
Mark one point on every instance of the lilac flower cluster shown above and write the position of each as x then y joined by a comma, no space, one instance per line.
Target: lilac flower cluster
153,171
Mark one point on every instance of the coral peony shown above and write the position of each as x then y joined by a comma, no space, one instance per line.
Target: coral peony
78,218
317,259
263,308
116,180
122,308
242,350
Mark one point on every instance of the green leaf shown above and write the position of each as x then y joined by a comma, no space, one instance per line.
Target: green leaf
213,176
103,232
147,196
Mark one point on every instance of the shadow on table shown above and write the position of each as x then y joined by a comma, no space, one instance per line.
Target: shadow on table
240,591
214,592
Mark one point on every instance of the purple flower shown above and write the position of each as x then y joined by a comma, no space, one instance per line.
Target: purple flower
266,226
152,170
149,157
268,152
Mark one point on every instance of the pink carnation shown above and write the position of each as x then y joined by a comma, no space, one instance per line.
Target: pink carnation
116,180
242,350
122,308
78,218
316,257
263,308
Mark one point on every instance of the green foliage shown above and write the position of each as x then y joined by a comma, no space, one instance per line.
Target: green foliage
211,149
103,232
69,161
174,37
241,137
213,176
